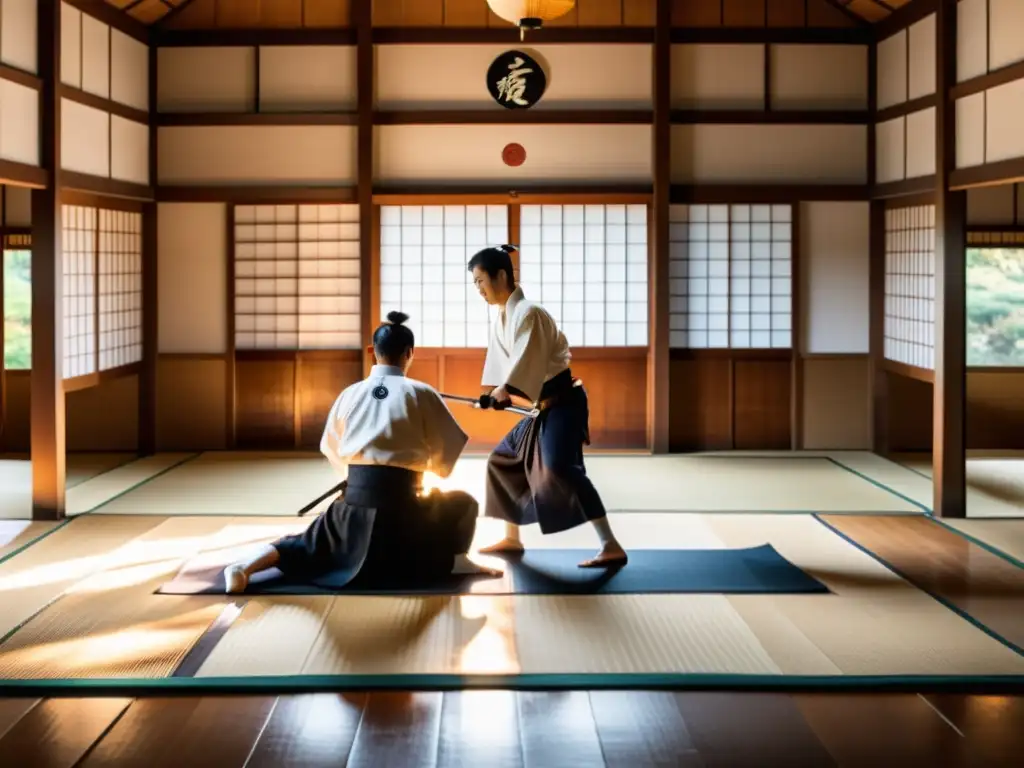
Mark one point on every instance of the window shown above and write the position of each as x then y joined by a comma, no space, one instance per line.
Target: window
297,277
995,306
587,265
79,259
424,253
730,276
910,285
120,282
17,306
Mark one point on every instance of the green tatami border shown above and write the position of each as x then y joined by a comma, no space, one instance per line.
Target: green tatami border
285,684
878,484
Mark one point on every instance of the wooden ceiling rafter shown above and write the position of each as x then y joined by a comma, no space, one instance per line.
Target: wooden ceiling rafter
158,12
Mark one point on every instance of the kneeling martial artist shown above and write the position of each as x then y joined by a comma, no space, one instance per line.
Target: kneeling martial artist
536,474
383,433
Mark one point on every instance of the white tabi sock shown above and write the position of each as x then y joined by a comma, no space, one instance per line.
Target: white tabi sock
604,530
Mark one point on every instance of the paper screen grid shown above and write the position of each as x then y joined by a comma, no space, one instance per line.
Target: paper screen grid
78,256
424,257
587,265
910,285
297,277
730,276
120,299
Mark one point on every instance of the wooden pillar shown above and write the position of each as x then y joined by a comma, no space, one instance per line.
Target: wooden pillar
658,354
879,383
949,406
150,292
362,17
47,377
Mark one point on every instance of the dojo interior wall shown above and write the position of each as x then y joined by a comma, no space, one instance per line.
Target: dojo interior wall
104,135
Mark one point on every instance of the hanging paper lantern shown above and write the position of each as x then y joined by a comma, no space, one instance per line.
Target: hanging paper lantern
530,14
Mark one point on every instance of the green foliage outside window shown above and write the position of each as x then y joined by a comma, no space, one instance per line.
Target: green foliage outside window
17,304
995,306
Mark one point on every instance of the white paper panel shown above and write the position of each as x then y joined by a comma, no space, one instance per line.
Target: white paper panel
835,256
129,143
990,205
970,131
892,70
444,154
889,151
129,71
454,76
234,154
17,206
19,123
206,79
192,254
95,56
922,58
910,285
921,143
824,154
717,77
1004,137
84,139
819,76
78,258
971,39
307,78
70,45
18,34
1006,39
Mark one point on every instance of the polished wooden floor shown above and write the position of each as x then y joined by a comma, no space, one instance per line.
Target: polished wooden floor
495,729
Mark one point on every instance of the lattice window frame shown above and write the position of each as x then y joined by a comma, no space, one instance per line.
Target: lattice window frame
304,260
119,279
909,326
731,276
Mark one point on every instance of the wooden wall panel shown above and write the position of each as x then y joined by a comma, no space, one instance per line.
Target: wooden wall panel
819,77
19,123
762,404
972,39
1004,115
718,76
995,410
264,401
448,155
475,13
266,14
920,147
17,205
215,79
910,414
994,206
320,379
70,46
129,146
763,154
267,154
921,58
18,36
892,70
95,57
17,430
1006,43
460,375
579,76
295,78
84,139
104,417
890,149
190,404
617,393
970,131
129,71
192,268
700,406
837,403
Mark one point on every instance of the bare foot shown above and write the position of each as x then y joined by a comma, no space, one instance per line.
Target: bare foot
466,567
612,555
235,579
504,547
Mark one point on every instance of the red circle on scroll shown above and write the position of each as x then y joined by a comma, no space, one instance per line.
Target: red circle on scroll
513,154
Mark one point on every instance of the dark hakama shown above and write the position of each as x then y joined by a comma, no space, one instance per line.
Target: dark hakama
536,474
382,531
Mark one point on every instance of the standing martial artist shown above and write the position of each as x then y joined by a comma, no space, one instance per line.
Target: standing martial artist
536,474
382,434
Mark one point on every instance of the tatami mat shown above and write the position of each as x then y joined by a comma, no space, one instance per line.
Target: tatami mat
995,481
717,483
230,483
873,624
1007,536
91,480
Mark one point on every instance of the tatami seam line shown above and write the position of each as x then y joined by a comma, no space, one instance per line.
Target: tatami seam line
878,484
938,598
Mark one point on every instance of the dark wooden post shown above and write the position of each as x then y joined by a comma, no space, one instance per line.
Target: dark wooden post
362,17
948,433
47,377
658,355
150,291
